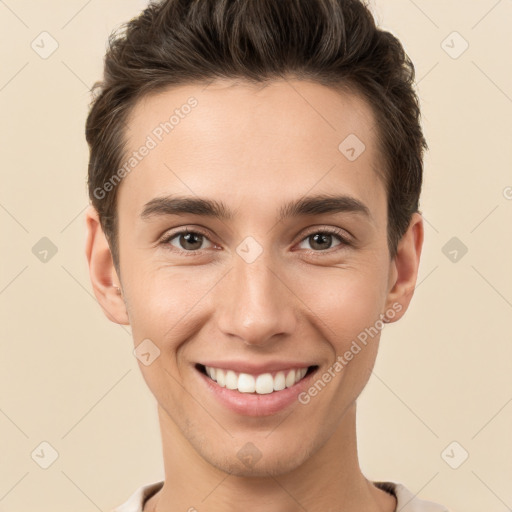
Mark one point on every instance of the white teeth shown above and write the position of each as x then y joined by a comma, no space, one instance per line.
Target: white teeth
279,381
262,384
290,378
220,377
246,383
231,380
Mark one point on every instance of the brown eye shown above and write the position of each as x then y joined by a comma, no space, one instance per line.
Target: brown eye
323,240
187,241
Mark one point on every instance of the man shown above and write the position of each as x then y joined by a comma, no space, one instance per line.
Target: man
255,173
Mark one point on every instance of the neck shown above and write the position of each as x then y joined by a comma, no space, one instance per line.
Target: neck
330,479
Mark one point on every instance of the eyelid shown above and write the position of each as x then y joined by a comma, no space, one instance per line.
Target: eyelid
344,236
170,234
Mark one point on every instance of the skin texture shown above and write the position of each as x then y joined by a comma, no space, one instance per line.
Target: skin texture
254,149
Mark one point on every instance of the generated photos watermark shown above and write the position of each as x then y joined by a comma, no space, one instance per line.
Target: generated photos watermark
342,360
152,140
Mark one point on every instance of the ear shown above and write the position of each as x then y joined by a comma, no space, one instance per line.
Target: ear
404,270
104,278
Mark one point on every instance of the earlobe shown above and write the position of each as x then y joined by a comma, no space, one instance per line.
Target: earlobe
102,272
404,269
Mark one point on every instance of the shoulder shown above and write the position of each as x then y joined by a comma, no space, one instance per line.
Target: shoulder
135,503
407,501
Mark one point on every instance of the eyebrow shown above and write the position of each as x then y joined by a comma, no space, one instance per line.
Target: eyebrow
306,206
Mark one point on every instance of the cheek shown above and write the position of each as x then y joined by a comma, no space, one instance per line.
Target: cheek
355,332
347,300
355,310
348,308
168,304
166,308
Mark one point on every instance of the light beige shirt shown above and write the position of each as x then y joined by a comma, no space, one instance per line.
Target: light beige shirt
406,500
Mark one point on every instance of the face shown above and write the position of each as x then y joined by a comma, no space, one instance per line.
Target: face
253,249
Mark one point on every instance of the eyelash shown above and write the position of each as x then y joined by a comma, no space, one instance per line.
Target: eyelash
339,233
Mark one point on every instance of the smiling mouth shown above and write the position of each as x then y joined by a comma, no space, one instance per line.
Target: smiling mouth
261,384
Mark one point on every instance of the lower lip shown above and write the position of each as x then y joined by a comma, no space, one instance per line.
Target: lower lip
253,404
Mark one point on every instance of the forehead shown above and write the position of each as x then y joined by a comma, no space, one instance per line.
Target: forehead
238,141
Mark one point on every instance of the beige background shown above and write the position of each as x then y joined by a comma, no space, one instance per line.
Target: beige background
68,375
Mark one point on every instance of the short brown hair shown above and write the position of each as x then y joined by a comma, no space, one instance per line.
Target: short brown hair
332,42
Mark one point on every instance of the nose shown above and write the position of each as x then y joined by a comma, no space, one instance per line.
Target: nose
256,304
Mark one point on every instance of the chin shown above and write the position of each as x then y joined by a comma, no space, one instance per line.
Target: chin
251,462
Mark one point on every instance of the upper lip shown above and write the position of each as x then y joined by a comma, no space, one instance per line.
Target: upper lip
256,369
